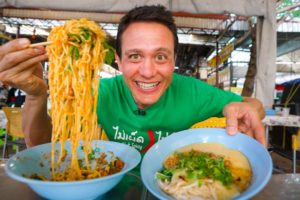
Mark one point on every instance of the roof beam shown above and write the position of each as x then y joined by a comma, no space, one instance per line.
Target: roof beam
287,47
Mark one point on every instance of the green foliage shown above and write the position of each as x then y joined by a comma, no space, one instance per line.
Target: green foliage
110,54
295,13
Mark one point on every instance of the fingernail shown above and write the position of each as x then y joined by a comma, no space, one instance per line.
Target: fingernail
231,131
23,42
39,50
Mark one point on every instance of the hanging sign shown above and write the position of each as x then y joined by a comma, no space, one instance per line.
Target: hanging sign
223,55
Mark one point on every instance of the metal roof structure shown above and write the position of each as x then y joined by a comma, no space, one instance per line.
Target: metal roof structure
203,23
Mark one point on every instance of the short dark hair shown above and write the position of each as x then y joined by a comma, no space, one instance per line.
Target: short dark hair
153,13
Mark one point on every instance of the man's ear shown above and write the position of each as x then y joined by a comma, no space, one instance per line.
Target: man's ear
118,61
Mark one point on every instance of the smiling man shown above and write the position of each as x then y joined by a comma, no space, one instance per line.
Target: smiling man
148,101
147,66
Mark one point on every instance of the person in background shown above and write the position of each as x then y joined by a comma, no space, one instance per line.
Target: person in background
20,98
148,101
11,99
3,95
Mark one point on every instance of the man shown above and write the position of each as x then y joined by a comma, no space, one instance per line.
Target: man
148,102
3,95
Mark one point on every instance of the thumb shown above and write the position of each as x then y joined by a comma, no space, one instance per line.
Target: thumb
231,122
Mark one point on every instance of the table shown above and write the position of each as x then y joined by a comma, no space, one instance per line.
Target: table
290,120
10,189
281,186
130,188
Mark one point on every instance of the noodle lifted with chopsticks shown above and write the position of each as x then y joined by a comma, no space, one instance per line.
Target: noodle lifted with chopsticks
75,58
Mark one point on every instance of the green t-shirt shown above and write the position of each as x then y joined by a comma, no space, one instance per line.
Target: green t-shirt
185,102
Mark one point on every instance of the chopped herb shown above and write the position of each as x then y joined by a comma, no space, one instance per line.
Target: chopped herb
85,32
68,68
91,155
74,38
74,52
162,176
80,162
93,43
198,166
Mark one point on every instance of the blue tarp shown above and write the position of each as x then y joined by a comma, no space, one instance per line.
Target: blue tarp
297,80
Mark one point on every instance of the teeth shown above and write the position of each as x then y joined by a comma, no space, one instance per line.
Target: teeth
147,86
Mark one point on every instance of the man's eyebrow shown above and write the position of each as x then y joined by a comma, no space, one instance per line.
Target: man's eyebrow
132,51
164,49
160,49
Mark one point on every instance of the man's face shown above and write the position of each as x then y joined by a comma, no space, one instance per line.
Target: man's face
147,61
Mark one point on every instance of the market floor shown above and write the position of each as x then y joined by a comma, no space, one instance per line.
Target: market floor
283,163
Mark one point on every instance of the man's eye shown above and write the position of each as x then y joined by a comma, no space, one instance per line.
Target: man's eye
161,57
135,57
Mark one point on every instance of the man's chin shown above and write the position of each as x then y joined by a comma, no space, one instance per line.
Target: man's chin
146,103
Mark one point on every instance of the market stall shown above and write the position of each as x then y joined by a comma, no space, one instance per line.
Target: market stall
112,11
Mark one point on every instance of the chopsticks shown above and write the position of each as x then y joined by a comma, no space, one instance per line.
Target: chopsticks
40,44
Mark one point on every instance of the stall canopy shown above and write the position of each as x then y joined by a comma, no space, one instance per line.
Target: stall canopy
112,10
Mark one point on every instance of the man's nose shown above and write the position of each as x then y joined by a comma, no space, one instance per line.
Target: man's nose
148,68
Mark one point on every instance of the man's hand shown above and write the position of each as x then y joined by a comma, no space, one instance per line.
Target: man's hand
245,117
20,66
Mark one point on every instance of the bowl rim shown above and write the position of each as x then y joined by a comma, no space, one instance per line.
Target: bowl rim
221,132
23,179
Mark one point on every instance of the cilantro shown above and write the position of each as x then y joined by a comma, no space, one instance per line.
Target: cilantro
74,52
74,38
68,68
195,166
162,176
80,163
91,156
85,33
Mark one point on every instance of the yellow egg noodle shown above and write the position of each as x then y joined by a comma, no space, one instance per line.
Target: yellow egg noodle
75,57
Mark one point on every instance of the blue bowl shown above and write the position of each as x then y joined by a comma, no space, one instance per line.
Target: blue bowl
259,158
38,160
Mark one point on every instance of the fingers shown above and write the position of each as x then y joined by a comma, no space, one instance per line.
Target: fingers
16,57
231,115
256,133
22,66
259,133
14,45
26,57
19,64
254,127
231,125
242,117
246,129
16,75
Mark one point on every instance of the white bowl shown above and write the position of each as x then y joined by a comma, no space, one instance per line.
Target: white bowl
37,160
259,158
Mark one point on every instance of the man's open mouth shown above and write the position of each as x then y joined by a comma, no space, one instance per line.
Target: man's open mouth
147,86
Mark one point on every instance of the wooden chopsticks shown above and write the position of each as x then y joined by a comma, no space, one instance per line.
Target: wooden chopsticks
41,44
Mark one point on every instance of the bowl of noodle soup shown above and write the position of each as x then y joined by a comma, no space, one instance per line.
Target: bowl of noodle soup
35,163
214,142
